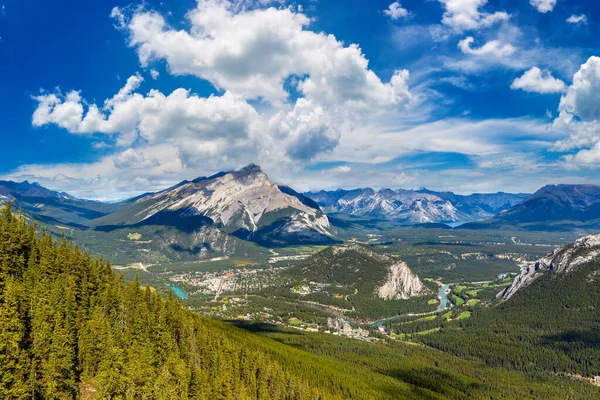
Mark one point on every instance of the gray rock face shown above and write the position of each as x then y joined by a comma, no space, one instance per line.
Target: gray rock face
562,260
402,283
244,203
238,200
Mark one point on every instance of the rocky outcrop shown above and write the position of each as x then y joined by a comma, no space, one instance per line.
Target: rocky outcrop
372,275
563,260
402,283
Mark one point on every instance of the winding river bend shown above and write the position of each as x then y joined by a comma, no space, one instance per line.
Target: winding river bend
442,295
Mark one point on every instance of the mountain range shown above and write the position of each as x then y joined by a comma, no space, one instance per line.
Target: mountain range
415,206
553,207
48,206
236,213
226,213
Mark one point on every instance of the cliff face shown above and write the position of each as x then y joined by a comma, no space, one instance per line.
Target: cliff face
402,283
563,260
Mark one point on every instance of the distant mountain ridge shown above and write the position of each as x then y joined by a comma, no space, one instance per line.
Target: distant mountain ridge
558,202
415,206
53,207
553,207
25,189
481,204
246,204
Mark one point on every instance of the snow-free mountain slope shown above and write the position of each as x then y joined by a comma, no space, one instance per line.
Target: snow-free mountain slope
553,207
48,206
245,203
558,203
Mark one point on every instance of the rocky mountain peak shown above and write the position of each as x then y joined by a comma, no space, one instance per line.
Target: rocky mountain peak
245,203
250,169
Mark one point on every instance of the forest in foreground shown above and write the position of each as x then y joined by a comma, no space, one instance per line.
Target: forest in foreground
70,328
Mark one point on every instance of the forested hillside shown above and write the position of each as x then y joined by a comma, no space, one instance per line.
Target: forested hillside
72,329
551,325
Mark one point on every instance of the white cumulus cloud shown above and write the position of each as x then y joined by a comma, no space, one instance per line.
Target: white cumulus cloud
589,158
582,98
580,19
247,50
538,81
252,52
154,117
395,11
131,158
543,6
579,114
212,130
308,129
494,48
464,15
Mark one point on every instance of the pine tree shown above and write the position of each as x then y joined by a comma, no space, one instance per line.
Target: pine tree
13,358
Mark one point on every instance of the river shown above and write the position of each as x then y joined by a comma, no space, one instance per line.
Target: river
179,292
443,296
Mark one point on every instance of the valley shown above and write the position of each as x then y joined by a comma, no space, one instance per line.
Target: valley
273,263
270,288
237,246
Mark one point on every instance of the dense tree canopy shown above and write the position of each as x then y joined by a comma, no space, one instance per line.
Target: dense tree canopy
70,328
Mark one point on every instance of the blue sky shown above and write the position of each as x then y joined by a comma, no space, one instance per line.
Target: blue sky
111,98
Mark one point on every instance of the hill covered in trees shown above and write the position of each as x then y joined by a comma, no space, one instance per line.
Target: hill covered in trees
72,329
550,321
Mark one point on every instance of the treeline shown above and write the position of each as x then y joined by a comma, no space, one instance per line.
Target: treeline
70,328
